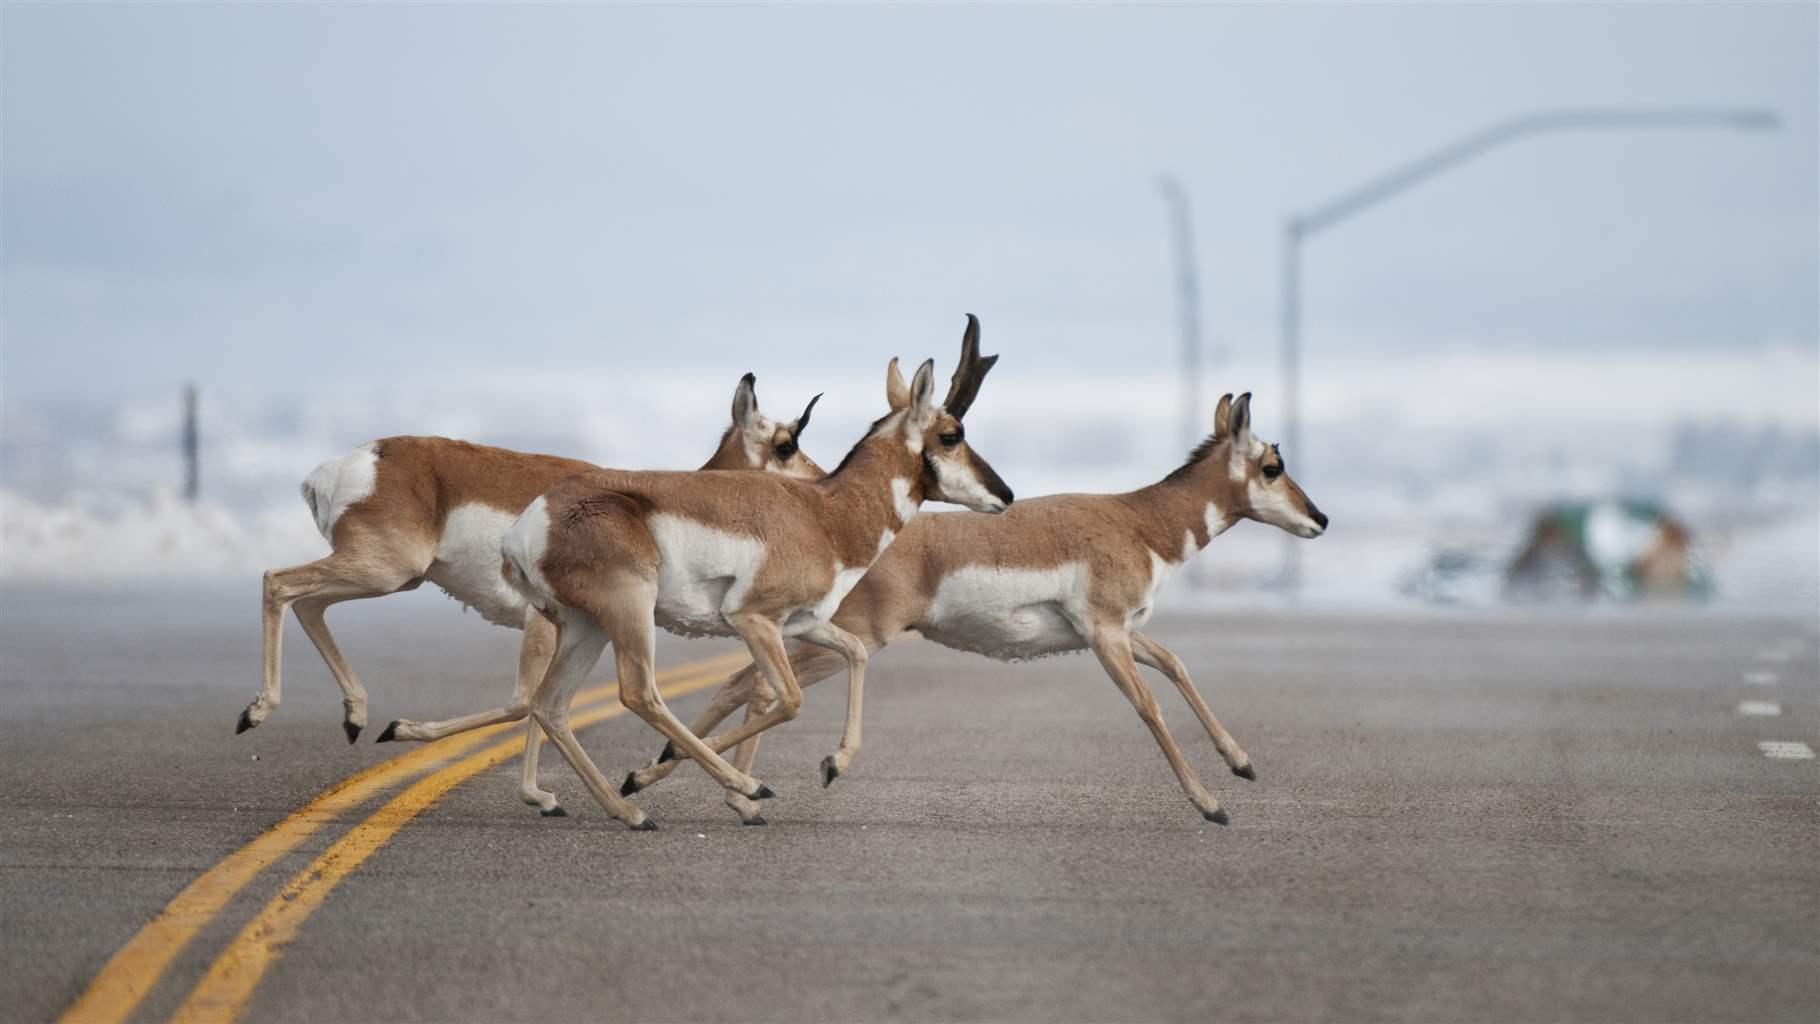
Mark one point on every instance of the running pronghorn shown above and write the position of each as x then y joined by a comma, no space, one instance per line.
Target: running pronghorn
608,556
1055,574
402,510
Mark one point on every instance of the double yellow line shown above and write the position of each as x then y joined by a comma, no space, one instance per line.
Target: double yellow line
129,976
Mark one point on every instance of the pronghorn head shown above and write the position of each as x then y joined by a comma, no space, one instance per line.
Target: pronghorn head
1263,485
755,442
952,470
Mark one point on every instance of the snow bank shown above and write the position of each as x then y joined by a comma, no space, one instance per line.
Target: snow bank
98,537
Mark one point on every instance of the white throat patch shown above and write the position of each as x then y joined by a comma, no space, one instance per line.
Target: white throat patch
901,503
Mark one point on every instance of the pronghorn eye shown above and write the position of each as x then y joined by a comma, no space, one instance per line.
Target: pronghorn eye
950,440
1271,472
787,449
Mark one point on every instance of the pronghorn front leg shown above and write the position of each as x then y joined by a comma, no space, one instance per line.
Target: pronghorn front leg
1113,647
1162,659
749,811
853,652
808,665
737,690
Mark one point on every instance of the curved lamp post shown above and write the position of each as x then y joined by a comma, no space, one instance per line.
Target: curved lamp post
1300,226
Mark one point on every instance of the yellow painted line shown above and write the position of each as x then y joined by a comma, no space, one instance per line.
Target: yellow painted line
132,972
223,992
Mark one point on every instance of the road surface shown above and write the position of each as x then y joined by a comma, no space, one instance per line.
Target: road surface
1497,818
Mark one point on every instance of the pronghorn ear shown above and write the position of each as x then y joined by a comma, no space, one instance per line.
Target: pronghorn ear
897,393
745,403
922,390
1222,415
802,422
1239,423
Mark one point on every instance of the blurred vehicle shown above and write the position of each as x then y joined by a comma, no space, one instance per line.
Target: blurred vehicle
1617,549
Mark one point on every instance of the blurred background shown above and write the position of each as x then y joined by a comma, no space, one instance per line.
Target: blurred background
1552,273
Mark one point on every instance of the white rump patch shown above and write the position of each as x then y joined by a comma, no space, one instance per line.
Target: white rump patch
338,483
524,544
468,560
703,575
1010,614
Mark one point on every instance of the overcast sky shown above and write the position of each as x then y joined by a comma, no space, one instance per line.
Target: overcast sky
313,196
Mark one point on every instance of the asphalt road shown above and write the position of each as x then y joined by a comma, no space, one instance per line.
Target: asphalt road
1528,818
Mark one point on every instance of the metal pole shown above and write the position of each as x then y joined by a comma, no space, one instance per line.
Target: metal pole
1291,349
1188,308
1416,171
192,477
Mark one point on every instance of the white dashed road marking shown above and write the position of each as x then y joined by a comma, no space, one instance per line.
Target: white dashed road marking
1759,707
1760,678
1786,750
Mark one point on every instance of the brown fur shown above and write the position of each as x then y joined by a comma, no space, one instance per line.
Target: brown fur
387,541
1114,535
598,573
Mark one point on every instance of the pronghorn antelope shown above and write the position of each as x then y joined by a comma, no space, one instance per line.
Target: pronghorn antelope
402,510
609,556
1054,574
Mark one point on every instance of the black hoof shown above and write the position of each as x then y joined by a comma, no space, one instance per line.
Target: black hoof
246,722
830,771
764,793
554,812
646,825
390,733
1247,772
669,753
352,730
1219,817
630,786
760,820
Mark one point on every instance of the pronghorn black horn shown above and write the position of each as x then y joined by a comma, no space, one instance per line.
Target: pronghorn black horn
971,371
802,422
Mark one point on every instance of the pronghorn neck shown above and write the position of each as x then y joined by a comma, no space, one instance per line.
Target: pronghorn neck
880,482
731,453
1200,500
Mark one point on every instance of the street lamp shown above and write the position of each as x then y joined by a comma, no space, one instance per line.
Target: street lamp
1188,304
1300,226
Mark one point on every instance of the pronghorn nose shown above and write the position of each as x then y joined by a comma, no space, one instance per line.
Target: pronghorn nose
1320,517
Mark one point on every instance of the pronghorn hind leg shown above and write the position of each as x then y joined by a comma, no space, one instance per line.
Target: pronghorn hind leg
1113,648
1162,659
353,695
344,575
534,658
578,646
